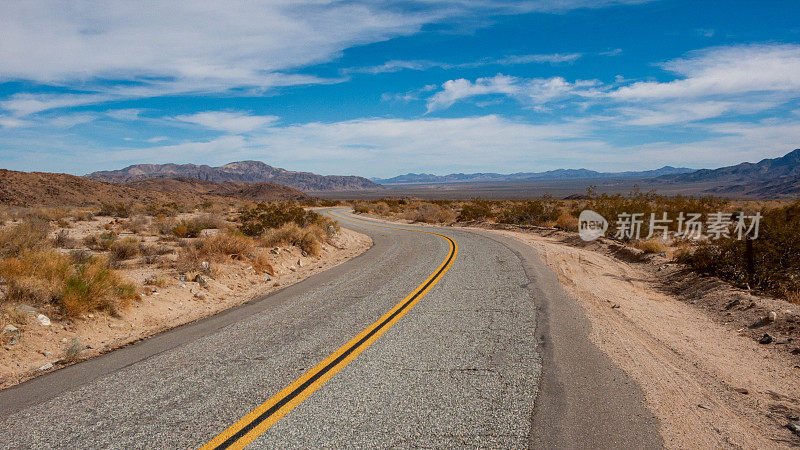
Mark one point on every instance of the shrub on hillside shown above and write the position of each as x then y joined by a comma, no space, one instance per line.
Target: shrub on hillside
533,212
254,221
114,210
430,213
477,209
772,263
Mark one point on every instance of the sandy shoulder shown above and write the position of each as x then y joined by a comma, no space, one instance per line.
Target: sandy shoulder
161,308
689,365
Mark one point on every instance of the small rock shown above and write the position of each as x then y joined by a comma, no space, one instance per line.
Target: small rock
742,391
794,426
267,277
91,316
43,320
183,277
183,286
205,266
771,317
45,367
27,309
766,339
796,351
10,329
249,268
275,251
199,296
63,340
614,306
299,263
201,280
304,253
293,268
733,304
47,354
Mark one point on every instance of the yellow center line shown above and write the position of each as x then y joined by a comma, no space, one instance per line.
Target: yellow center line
259,420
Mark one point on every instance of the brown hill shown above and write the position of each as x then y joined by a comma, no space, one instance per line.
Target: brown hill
259,192
60,189
240,172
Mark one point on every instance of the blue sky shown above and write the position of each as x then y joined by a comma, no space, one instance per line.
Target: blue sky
383,88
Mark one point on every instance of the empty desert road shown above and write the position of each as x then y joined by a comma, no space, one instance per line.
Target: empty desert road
494,354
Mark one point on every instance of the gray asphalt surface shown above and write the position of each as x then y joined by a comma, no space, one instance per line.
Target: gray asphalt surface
461,369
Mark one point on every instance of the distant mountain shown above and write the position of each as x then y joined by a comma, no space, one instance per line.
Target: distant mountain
240,172
764,170
558,174
60,189
258,192
777,177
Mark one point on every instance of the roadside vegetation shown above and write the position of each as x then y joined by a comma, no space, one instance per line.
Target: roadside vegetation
67,263
770,263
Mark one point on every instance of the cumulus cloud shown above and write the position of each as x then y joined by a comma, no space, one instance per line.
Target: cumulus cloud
231,122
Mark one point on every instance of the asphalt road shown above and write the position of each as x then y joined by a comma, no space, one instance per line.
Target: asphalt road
463,367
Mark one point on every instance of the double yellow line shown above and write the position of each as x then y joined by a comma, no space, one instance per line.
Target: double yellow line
255,423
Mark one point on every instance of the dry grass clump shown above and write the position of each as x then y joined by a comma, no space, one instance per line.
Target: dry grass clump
190,228
651,246
62,239
100,242
288,234
261,262
567,222
137,224
229,244
125,249
220,247
152,252
72,352
30,234
43,277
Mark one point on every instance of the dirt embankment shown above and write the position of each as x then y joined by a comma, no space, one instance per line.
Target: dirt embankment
35,348
692,343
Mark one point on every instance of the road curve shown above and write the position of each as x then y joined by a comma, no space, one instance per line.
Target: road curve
462,368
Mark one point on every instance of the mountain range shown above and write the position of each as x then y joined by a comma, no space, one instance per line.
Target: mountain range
558,174
766,178
238,172
61,189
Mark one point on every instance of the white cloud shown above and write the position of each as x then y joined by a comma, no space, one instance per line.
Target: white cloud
398,65
725,71
23,104
124,114
536,91
231,122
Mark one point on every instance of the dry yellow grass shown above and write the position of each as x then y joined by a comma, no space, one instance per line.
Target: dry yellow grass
261,262
651,246
48,277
